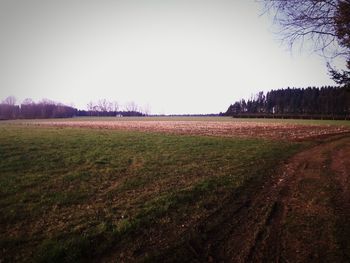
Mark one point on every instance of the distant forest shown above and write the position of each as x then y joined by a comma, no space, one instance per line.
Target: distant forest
49,109
317,103
311,103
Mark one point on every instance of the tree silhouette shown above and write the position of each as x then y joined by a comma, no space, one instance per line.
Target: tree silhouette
312,102
325,22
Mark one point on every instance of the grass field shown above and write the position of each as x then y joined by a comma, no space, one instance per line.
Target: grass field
70,194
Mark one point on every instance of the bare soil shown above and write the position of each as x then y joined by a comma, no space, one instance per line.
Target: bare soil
299,215
283,131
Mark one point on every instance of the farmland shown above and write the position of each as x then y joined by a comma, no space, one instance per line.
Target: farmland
222,127
160,189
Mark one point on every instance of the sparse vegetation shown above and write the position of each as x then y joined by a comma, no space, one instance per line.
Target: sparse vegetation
69,193
210,126
66,190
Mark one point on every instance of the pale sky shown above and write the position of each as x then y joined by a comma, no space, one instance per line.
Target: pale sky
177,56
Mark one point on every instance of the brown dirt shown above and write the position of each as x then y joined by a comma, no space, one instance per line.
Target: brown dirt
299,215
210,128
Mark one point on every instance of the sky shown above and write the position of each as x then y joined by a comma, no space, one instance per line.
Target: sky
169,56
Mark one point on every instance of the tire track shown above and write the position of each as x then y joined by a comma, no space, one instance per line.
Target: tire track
293,217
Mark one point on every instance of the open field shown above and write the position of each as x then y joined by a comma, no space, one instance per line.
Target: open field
210,126
70,193
200,118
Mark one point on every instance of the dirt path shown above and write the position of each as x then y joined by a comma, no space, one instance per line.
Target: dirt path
303,216
300,215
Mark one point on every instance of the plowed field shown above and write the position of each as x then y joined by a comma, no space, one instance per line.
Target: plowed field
242,129
142,190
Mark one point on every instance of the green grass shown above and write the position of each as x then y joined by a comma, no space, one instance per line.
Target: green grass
70,194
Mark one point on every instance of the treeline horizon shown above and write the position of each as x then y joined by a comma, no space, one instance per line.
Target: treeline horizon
46,109
327,102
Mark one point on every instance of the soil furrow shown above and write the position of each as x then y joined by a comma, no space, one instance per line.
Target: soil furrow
299,215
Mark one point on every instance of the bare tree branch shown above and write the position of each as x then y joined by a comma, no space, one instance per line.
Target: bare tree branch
323,23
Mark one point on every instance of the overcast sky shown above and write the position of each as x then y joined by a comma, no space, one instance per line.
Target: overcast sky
177,56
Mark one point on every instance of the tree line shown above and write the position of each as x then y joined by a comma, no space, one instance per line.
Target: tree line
312,102
104,107
46,109
29,109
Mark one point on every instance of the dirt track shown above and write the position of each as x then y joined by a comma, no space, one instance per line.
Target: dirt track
299,215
